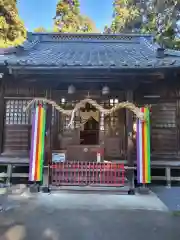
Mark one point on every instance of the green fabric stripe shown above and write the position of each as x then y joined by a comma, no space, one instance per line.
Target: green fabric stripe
148,146
43,142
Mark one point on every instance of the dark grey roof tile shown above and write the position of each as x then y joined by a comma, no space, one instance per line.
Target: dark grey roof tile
137,63
150,64
124,63
92,52
172,62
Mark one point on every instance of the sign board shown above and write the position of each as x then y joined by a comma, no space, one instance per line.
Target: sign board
58,157
98,157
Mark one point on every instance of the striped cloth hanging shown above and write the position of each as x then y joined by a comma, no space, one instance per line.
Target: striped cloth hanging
37,144
143,148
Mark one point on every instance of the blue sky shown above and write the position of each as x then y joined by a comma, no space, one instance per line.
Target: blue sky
37,13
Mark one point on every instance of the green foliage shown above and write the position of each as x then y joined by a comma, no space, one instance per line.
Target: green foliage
125,14
162,16
40,29
69,19
160,19
87,24
12,30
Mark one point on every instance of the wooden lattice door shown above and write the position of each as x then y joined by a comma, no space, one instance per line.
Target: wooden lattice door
16,127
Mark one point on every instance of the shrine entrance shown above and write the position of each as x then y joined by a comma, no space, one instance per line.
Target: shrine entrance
89,134
79,168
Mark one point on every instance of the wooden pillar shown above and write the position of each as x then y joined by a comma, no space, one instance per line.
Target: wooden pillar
48,153
129,140
101,132
101,135
2,107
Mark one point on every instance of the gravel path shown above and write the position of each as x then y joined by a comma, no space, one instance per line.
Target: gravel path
54,217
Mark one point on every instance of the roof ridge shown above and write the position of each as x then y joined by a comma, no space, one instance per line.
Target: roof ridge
92,34
150,44
155,46
26,45
172,52
55,37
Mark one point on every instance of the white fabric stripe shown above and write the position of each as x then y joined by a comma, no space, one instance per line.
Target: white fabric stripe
140,151
35,145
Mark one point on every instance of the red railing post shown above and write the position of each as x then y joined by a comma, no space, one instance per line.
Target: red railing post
123,172
80,173
114,172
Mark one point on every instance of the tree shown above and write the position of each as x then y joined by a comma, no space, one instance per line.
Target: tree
69,19
162,19
12,30
124,17
40,29
87,25
107,29
158,17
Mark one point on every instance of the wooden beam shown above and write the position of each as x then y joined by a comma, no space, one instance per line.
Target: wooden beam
2,108
92,72
129,140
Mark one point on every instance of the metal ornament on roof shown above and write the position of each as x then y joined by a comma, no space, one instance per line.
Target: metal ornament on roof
71,89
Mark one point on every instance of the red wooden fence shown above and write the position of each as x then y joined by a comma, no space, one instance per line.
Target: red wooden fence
87,173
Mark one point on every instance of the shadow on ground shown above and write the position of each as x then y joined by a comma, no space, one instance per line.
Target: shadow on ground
169,196
52,218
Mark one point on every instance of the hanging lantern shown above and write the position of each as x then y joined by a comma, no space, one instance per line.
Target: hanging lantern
105,90
1,75
71,89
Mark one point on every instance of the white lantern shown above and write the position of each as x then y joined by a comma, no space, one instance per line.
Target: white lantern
105,90
63,100
111,101
116,100
71,89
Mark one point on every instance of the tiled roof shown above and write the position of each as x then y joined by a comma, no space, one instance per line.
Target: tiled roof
89,51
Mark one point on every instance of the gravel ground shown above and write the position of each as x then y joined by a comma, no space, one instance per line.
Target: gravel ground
83,224
52,217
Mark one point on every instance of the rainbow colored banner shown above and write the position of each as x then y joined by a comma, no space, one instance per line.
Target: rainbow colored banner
143,148
37,144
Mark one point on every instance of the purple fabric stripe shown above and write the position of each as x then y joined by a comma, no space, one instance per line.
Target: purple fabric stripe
32,145
138,149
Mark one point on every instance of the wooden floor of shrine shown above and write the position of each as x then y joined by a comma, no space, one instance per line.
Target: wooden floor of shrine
162,171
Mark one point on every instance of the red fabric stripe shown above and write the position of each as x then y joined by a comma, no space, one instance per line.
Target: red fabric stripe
38,136
143,150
